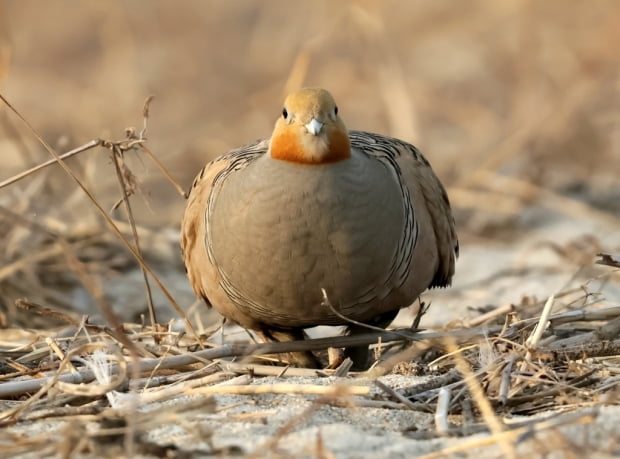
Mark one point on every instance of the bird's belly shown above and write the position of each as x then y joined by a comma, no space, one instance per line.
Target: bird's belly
278,245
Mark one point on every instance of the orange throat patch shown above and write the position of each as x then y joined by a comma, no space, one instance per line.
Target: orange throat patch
288,145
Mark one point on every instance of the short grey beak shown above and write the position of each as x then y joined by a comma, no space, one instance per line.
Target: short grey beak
314,126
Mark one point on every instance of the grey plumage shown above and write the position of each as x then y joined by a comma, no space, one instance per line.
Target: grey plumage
261,236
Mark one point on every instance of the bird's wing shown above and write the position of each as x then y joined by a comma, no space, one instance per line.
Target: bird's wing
194,244
426,193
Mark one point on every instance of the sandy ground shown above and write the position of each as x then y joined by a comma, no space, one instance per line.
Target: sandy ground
248,425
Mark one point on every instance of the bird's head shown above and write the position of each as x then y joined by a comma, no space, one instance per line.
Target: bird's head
309,130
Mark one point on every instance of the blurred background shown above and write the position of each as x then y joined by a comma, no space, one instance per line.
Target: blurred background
515,104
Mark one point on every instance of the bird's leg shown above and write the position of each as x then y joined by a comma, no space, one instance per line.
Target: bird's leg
359,354
302,359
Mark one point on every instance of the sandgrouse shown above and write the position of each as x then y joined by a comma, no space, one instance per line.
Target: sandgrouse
269,225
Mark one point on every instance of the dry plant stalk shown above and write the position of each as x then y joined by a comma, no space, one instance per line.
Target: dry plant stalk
131,142
477,393
283,388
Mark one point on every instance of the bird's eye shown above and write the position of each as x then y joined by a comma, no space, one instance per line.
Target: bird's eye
284,113
336,110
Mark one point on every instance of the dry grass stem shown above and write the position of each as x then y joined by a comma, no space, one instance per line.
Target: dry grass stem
441,412
401,398
289,389
534,339
107,312
477,393
608,260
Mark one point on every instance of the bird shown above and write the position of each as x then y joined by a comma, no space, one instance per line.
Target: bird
316,212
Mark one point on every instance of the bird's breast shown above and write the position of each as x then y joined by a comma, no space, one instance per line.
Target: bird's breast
280,232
